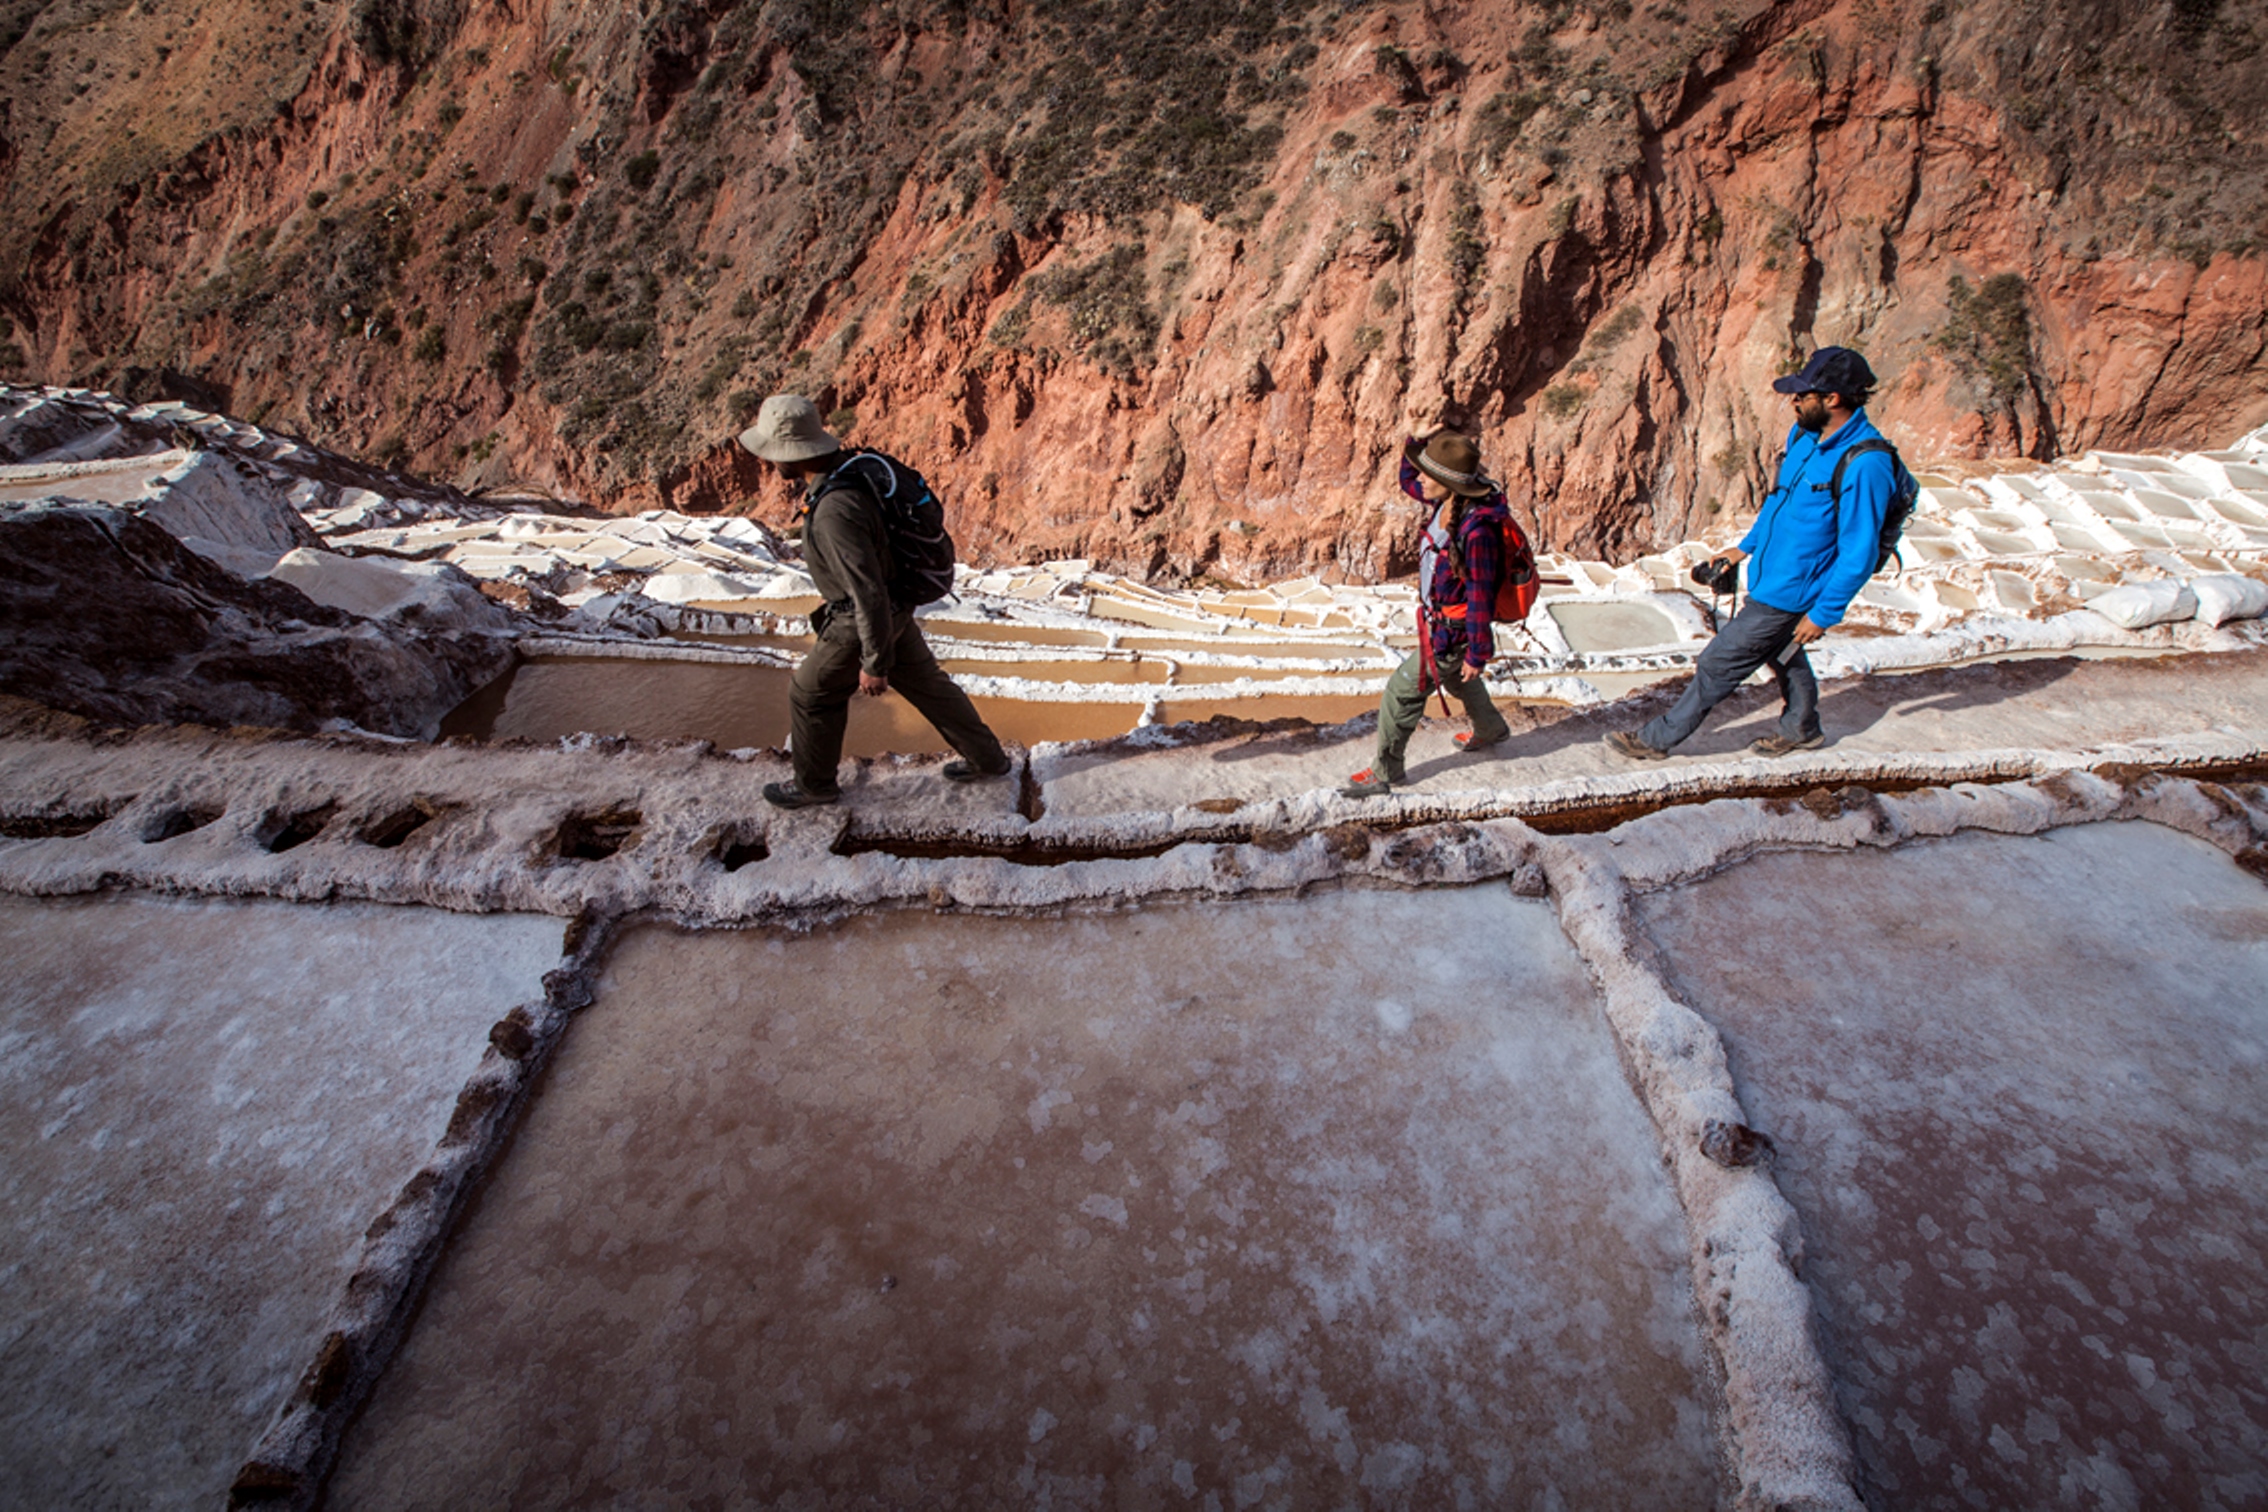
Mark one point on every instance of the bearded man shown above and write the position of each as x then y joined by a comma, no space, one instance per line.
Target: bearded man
1810,551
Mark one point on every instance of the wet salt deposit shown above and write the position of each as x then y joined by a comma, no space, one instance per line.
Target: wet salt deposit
2019,1090
203,1104
954,1211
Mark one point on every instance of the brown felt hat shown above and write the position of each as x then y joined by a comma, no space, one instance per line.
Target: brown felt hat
1451,460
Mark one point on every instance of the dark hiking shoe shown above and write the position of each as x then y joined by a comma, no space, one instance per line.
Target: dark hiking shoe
1780,745
1627,743
968,771
1468,744
1365,784
788,796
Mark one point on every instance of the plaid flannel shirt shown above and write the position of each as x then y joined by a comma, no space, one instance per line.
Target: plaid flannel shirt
1467,575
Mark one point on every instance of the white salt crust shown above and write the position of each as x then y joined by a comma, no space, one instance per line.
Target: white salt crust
1789,1448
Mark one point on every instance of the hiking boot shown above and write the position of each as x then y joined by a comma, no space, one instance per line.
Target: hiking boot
1365,784
958,770
1627,743
1780,745
788,796
1467,744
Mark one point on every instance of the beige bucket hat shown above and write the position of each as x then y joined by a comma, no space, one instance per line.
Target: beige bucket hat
787,429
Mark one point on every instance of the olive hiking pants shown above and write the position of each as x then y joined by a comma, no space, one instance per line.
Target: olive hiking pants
1404,705
819,698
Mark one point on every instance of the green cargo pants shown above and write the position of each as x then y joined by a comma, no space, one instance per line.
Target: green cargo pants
819,698
1404,704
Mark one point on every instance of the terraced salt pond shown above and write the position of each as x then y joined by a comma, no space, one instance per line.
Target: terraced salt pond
735,706
1032,682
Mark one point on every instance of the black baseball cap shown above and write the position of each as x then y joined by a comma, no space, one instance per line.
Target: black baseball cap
1831,370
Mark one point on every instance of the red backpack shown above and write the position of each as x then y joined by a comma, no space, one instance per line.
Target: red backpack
1516,590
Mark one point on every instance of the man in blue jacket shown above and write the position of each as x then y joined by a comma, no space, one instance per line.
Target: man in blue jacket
1808,555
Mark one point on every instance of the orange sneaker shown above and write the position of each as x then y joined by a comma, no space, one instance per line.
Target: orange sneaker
1466,743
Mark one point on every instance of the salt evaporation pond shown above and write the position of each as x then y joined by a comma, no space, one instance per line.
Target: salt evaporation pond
203,1105
2020,1089
1610,625
1291,1204
738,705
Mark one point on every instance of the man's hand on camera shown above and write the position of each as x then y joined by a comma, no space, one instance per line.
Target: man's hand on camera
1734,555
1806,632
873,686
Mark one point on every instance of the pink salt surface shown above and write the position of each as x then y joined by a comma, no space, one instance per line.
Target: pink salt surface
202,1104
1284,1204
2020,1088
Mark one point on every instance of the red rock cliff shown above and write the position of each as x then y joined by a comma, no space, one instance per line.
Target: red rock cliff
1159,284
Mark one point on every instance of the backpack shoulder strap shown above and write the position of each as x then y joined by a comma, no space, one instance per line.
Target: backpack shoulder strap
1860,449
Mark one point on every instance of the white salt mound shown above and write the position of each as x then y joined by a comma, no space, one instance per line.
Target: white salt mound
2138,605
374,588
2225,596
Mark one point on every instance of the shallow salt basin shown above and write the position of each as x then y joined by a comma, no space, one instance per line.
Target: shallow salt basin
2020,1089
1610,626
127,479
959,1211
733,707
202,1105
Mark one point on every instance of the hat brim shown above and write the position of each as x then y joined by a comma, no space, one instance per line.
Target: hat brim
789,449
1796,383
1477,487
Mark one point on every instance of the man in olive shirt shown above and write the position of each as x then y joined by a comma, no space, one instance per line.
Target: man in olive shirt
866,642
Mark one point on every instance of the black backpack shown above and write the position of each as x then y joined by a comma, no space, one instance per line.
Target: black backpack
913,522
1905,492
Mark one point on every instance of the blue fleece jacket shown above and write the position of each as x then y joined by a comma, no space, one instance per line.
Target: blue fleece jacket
1806,555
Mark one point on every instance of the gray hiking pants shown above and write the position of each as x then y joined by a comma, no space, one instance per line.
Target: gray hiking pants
1404,705
819,698
1750,639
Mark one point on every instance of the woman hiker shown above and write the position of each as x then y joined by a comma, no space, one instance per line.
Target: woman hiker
1460,562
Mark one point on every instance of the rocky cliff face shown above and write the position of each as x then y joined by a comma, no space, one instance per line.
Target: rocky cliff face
1161,284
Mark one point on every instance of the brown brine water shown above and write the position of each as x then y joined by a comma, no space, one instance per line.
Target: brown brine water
738,706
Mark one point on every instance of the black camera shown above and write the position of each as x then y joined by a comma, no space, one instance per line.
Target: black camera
1717,574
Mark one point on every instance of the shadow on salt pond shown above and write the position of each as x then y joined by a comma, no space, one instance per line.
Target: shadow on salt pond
737,706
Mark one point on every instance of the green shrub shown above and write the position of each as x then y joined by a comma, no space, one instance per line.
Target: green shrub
1107,302
744,306
1562,400
628,336
1468,250
1013,325
1988,334
1505,113
1615,329
640,170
